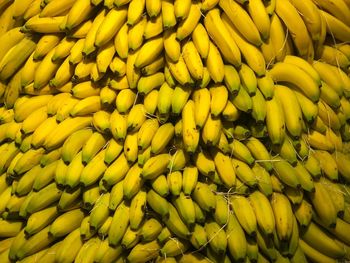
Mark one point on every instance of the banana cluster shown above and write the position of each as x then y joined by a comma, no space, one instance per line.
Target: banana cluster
174,130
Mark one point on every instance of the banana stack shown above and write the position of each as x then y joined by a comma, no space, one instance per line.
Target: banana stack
174,131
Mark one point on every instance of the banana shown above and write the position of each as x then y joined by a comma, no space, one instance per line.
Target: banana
335,26
46,176
320,198
185,208
130,238
334,57
248,28
174,180
204,197
86,232
275,120
304,177
68,199
293,21
60,226
45,45
248,79
201,99
242,101
283,216
106,253
260,17
215,64
263,212
30,105
118,226
224,168
179,70
39,220
159,204
244,213
336,195
264,180
153,28
10,150
78,13
9,228
217,237
130,147
107,96
125,100
135,11
222,210
326,244
43,198
73,171
160,185
26,161
64,129
137,210
173,247
46,25
116,196
342,163
244,172
289,101
231,79
259,152
162,137
327,164
147,83
136,117
189,21
314,254
116,171
110,25
172,45
178,160
193,60
62,50
175,223
10,39
25,183
286,173
55,8
154,67
36,243
28,70
211,131
144,252
204,163
222,38
94,169
311,17
338,9
234,232
132,182
88,250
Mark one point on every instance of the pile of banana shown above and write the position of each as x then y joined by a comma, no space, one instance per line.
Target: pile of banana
174,131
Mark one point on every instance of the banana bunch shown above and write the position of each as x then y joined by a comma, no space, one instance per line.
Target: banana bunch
174,131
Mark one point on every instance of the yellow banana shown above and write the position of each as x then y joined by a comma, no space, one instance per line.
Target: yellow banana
263,212
201,98
189,23
244,24
14,57
275,120
135,11
244,213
